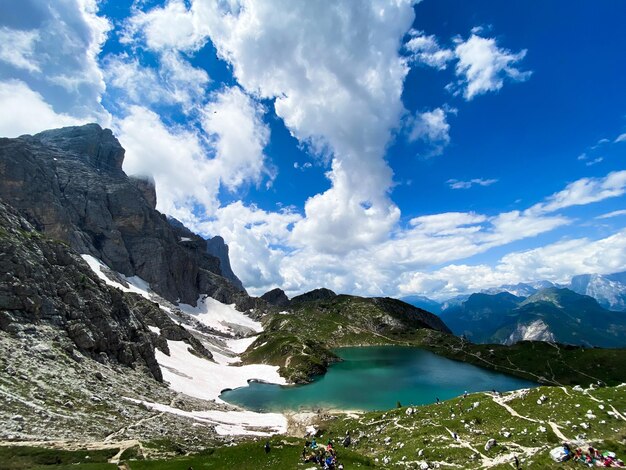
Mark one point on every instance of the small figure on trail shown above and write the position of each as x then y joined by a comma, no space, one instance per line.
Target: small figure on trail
267,447
347,440
313,444
455,436
516,460
438,400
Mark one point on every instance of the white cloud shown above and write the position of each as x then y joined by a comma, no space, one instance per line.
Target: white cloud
457,184
25,111
175,81
256,241
584,191
189,167
175,158
234,123
595,161
336,83
431,127
483,66
17,48
426,50
556,262
621,138
57,54
609,215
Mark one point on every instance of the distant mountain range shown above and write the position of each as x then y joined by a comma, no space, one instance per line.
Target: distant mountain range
552,314
608,289
590,310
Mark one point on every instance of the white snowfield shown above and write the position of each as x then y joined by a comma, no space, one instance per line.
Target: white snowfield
219,316
201,378
229,422
135,283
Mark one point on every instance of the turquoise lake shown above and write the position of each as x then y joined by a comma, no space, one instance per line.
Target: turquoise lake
376,378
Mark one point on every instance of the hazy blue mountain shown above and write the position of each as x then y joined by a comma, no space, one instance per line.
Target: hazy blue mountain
423,302
551,314
480,315
522,289
608,289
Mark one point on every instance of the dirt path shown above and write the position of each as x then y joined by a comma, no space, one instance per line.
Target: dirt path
501,401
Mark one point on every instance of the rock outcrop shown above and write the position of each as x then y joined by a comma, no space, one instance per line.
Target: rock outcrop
316,294
44,283
70,185
217,247
276,297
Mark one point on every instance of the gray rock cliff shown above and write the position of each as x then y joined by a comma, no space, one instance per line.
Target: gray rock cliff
69,184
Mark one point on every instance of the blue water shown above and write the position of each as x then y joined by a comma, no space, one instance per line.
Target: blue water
376,378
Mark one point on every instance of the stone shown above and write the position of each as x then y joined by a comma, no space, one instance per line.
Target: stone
490,444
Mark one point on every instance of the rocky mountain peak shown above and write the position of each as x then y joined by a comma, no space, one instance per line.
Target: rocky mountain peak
99,145
217,247
276,297
316,294
69,184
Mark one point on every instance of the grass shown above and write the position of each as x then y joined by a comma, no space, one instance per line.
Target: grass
24,457
284,454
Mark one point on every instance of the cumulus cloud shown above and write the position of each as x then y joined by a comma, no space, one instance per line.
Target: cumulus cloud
26,112
56,45
483,66
174,81
457,184
256,241
17,48
426,50
432,128
336,82
189,167
556,262
238,135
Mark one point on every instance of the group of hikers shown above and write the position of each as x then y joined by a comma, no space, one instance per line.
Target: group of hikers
324,456
591,457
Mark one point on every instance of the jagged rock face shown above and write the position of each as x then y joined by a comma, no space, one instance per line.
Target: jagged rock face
69,183
311,296
276,297
42,281
218,248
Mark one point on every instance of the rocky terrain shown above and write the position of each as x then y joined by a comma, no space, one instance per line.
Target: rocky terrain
74,350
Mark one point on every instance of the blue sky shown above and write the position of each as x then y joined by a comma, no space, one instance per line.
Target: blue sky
398,148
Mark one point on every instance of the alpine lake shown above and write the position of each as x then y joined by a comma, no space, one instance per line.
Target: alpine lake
376,378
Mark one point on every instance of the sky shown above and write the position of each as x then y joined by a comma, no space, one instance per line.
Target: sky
382,148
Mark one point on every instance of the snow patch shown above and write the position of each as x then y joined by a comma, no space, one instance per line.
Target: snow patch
201,378
221,317
534,331
154,329
229,422
135,283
